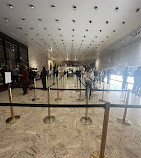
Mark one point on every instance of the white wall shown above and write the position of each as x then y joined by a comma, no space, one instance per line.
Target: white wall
126,56
36,58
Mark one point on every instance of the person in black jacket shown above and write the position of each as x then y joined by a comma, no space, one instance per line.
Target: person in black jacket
43,78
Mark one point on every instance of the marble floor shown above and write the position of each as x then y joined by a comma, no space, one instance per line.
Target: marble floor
29,137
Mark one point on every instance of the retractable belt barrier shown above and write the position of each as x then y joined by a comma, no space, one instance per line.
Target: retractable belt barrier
50,119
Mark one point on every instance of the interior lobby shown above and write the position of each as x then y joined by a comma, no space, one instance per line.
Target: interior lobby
70,79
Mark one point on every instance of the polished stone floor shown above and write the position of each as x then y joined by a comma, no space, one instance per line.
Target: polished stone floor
29,137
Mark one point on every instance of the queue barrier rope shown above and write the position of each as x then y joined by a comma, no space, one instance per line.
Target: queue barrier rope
71,105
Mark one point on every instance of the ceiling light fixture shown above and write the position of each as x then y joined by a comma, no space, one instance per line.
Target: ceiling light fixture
138,9
123,22
31,6
117,9
52,6
18,28
107,22
74,7
73,21
23,19
6,19
56,20
72,29
40,20
10,5
90,21
95,7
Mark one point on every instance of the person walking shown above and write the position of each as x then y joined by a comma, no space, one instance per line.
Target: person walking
43,78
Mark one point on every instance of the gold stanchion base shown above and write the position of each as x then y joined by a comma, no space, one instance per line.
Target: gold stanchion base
86,121
126,122
49,120
79,100
57,99
11,120
96,154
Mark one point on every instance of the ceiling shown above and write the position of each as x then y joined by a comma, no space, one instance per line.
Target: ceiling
69,29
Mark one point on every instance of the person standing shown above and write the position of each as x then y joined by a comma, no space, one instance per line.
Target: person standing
108,76
125,76
43,78
88,77
137,81
14,74
24,78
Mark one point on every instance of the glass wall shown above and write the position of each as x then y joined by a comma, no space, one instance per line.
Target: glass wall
11,52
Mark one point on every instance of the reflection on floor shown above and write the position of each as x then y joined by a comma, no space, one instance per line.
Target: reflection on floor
29,137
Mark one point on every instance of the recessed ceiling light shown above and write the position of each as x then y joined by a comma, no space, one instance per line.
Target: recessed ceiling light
39,19
62,40
90,44
123,22
45,28
116,9
72,29
114,31
107,36
31,28
73,21
87,30
59,29
52,6
90,21
84,36
18,28
31,6
95,7
100,30
74,7
138,9
23,19
107,22
10,5
56,20
6,19
95,36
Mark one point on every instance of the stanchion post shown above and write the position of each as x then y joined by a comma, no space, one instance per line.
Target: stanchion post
34,99
80,99
123,120
96,154
49,119
13,118
86,120
57,92
102,99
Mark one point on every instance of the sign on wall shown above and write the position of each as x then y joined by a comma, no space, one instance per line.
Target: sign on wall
7,77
